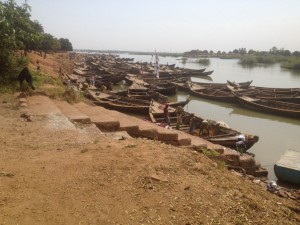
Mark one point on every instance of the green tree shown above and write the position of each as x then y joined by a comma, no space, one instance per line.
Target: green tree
273,50
14,23
242,51
65,44
49,42
296,53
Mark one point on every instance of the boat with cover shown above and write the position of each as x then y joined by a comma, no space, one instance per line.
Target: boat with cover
287,168
219,132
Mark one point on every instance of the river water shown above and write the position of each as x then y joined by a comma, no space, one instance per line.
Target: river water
277,134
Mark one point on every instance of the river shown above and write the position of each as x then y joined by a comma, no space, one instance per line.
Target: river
277,134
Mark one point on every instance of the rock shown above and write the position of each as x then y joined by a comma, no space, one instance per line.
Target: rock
282,193
290,195
4,174
220,150
158,178
23,104
26,116
22,100
22,95
250,177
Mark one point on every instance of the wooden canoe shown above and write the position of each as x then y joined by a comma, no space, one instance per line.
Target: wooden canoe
119,103
291,97
218,133
216,94
269,106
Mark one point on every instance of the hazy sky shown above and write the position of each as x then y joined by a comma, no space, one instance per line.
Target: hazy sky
171,25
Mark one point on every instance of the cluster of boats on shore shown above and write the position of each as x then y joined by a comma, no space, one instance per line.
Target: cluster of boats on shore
148,93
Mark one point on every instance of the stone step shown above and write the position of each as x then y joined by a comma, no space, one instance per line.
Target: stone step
42,105
102,120
134,126
72,112
146,129
128,125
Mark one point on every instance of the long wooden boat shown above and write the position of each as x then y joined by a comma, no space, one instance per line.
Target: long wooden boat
164,88
287,168
140,92
218,133
116,78
260,94
211,93
181,85
269,106
222,86
203,74
192,72
119,103
276,90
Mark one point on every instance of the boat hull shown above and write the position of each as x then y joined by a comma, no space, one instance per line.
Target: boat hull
287,174
287,168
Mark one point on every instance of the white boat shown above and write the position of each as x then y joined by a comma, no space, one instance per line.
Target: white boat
287,168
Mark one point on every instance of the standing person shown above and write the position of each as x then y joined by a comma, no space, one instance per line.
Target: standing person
204,129
179,112
192,123
241,143
166,114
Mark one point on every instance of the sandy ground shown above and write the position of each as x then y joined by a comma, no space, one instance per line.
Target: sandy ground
55,172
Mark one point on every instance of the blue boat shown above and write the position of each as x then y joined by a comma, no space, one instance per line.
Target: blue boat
287,168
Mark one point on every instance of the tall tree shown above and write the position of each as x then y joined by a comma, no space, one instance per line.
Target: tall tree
65,44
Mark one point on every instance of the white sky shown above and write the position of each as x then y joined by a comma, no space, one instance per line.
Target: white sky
171,25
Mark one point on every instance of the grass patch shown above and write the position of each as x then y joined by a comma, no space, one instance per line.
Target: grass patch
71,96
210,153
248,61
291,63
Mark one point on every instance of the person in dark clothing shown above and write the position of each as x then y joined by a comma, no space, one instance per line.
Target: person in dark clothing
26,75
192,123
166,114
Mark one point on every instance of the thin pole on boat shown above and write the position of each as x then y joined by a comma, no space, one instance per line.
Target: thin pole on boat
156,65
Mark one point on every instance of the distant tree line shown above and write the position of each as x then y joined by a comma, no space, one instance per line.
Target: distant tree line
241,51
19,32
287,59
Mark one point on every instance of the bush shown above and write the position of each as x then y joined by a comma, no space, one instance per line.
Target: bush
248,60
71,96
266,59
292,63
205,62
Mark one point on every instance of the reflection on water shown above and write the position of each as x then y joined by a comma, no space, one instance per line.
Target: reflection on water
277,134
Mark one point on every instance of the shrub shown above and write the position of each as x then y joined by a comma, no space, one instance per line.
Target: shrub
205,62
248,60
